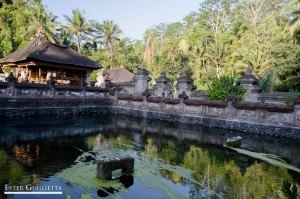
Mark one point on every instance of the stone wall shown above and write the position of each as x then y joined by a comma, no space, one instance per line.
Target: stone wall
270,119
21,100
46,90
26,107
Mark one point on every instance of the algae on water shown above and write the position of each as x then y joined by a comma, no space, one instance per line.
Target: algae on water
147,170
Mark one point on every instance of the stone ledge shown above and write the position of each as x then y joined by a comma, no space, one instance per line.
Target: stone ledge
268,107
194,102
242,126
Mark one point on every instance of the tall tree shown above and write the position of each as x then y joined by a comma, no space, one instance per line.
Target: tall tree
79,26
42,22
294,8
109,34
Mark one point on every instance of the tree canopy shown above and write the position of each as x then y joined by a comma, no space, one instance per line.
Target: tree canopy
221,38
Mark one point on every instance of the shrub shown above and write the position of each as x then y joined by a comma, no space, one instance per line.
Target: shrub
267,81
290,97
222,88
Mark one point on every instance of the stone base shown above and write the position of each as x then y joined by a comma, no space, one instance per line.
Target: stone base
105,166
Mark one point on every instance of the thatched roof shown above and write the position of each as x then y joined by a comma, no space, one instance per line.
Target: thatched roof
120,75
42,50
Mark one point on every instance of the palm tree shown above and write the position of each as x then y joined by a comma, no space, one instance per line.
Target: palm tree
78,25
42,23
216,54
294,8
109,34
259,62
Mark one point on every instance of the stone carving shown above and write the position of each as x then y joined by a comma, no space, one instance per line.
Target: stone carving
251,86
183,95
23,77
101,79
11,78
105,166
185,84
162,86
141,80
51,80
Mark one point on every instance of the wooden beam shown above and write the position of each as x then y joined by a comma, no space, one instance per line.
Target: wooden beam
40,75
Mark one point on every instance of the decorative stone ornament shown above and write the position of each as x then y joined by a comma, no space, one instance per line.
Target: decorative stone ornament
185,84
162,86
141,80
250,85
11,78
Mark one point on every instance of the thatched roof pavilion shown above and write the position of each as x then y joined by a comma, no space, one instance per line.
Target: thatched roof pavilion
40,59
120,75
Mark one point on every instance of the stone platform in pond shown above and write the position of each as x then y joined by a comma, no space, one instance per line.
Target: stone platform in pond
106,165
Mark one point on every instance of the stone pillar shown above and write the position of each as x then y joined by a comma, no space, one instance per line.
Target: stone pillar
87,78
162,86
250,85
185,84
141,80
12,80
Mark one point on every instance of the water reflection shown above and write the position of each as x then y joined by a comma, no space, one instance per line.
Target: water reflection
34,151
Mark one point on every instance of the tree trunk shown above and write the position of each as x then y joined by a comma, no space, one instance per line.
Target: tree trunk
78,43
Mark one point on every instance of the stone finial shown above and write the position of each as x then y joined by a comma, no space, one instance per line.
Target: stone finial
11,78
142,71
185,78
248,71
162,79
248,78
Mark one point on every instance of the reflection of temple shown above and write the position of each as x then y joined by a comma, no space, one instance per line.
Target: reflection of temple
39,60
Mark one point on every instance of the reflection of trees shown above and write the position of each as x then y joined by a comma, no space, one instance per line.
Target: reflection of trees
11,171
100,141
217,173
260,180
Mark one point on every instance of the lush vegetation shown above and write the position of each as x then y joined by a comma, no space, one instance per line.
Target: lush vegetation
222,88
221,38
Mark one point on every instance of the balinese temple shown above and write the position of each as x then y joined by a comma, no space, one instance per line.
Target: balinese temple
40,59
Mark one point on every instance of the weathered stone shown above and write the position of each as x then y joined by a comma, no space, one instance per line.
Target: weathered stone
185,84
162,87
105,166
250,85
234,141
141,80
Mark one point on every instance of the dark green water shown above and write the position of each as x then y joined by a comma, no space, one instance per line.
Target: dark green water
172,160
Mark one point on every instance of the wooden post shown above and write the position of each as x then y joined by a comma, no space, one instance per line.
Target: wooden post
40,75
29,74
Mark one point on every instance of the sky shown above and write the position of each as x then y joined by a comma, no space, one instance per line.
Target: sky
133,16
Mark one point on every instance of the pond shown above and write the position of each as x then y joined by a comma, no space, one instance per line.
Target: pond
171,160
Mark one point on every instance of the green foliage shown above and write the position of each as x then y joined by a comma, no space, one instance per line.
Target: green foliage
222,38
221,89
266,82
290,97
